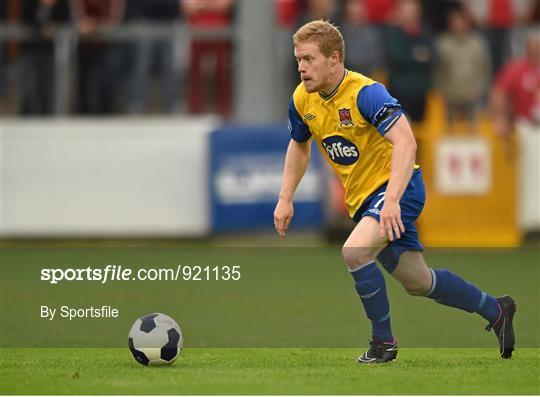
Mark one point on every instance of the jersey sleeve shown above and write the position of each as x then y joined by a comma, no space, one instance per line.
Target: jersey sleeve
298,129
378,107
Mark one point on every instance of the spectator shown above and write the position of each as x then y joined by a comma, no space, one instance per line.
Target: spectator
320,9
518,35
9,55
37,56
3,58
148,49
98,62
435,13
515,102
287,15
379,12
209,15
364,45
497,18
410,57
516,92
462,68
532,14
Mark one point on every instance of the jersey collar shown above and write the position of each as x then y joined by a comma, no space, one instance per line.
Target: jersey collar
333,93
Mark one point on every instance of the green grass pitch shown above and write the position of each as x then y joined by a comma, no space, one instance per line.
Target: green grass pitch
269,371
292,325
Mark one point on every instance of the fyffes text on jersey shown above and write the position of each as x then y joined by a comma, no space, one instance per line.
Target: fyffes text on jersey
340,150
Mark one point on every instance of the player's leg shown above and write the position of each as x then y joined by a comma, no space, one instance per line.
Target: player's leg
413,273
443,286
449,289
359,253
404,260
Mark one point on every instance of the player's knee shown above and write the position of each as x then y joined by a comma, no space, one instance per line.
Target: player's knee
357,256
417,287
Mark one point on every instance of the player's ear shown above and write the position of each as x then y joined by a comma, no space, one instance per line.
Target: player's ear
334,58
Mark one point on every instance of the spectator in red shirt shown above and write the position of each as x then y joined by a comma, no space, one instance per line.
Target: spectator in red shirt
497,18
379,11
287,13
515,101
209,15
516,93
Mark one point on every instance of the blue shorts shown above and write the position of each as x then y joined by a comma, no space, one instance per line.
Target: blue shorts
411,205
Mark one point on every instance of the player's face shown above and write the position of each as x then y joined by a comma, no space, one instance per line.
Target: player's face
315,69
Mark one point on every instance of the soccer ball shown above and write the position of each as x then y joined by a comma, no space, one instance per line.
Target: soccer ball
155,339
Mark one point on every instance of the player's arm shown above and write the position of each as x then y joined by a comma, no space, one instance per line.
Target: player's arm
402,166
384,112
296,163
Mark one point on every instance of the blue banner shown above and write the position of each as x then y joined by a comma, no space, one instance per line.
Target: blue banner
246,170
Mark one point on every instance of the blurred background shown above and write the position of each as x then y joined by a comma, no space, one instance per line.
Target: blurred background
167,118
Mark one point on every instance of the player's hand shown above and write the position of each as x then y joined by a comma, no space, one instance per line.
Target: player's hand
282,216
390,220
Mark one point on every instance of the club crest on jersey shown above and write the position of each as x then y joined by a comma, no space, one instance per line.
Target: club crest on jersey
345,118
340,150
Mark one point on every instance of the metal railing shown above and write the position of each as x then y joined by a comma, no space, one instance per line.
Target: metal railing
66,37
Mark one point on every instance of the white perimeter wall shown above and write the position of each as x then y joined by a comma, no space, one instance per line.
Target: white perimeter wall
105,177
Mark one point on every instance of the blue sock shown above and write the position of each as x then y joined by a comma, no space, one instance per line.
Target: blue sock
370,285
449,289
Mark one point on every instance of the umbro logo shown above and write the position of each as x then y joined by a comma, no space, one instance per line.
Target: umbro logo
309,116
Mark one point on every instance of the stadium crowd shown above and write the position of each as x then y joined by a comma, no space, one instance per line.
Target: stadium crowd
462,49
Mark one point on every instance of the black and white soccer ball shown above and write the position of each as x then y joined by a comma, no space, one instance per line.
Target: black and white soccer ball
155,339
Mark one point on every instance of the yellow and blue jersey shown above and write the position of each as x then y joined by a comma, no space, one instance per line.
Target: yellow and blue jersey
349,126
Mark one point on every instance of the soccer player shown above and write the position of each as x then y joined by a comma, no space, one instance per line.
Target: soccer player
361,131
